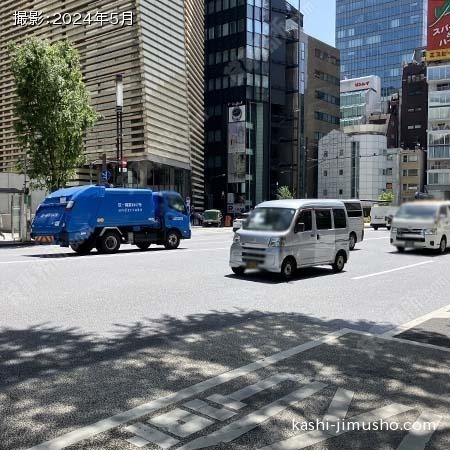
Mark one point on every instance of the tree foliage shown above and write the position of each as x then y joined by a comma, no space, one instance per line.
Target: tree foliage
386,197
52,108
284,193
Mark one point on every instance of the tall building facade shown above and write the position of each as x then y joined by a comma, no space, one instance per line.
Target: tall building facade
360,97
377,37
163,84
253,89
414,106
321,102
357,163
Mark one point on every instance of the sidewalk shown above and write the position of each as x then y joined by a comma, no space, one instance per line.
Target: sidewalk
6,240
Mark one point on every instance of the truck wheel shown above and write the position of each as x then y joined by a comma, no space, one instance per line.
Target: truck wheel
109,243
375,227
352,242
143,245
238,270
288,268
172,240
83,248
400,249
339,263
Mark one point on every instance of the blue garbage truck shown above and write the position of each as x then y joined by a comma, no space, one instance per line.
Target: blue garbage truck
95,216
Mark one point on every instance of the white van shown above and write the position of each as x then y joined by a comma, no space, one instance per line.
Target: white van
283,235
355,221
423,224
379,216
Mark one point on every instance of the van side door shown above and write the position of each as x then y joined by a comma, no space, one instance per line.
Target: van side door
325,236
304,240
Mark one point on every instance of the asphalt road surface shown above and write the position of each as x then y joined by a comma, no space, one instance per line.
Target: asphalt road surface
157,349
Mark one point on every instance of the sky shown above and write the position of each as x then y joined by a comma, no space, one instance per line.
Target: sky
319,20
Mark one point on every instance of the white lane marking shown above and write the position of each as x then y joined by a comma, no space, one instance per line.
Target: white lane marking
54,256
305,440
393,270
339,406
181,423
438,313
90,431
400,341
376,239
210,411
236,429
419,436
15,262
145,435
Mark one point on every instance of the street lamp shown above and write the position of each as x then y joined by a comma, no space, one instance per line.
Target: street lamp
119,110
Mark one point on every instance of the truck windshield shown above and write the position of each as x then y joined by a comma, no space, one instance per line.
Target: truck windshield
270,219
417,212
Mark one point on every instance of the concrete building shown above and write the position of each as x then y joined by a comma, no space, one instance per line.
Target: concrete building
356,163
412,165
438,184
360,97
377,37
162,72
321,102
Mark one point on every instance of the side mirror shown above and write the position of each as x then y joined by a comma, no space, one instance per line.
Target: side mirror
299,228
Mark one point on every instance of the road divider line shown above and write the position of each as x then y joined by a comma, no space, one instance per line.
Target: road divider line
397,269
436,314
377,239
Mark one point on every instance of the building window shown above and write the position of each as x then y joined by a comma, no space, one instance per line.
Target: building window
341,192
341,172
325,173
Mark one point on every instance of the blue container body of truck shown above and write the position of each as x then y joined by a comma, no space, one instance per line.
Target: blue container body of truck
94,216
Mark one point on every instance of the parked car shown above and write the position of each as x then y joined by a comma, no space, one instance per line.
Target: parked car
237,222
283,235
212,217
424,224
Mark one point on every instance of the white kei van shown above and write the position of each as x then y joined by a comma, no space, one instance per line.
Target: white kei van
355,221
422,224
283,235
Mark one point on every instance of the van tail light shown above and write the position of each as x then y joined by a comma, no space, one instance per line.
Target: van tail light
69,205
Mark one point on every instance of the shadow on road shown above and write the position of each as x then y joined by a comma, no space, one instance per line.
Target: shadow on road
55,380
258,276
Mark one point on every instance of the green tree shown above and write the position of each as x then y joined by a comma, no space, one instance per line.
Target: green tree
52,109
284,193
387,197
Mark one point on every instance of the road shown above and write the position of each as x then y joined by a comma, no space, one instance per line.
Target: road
83,339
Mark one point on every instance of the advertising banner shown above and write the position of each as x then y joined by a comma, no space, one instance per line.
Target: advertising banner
438,30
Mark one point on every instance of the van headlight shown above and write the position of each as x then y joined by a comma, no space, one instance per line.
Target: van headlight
276,242
430,231
237,239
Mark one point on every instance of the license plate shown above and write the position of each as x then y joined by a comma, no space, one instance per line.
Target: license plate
252,265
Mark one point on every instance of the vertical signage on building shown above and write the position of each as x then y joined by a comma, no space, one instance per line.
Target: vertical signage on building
438,30
236,154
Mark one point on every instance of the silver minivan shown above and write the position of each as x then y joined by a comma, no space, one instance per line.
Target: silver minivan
422,224
283,235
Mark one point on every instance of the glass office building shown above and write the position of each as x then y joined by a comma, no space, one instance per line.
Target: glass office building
376,37
252,93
